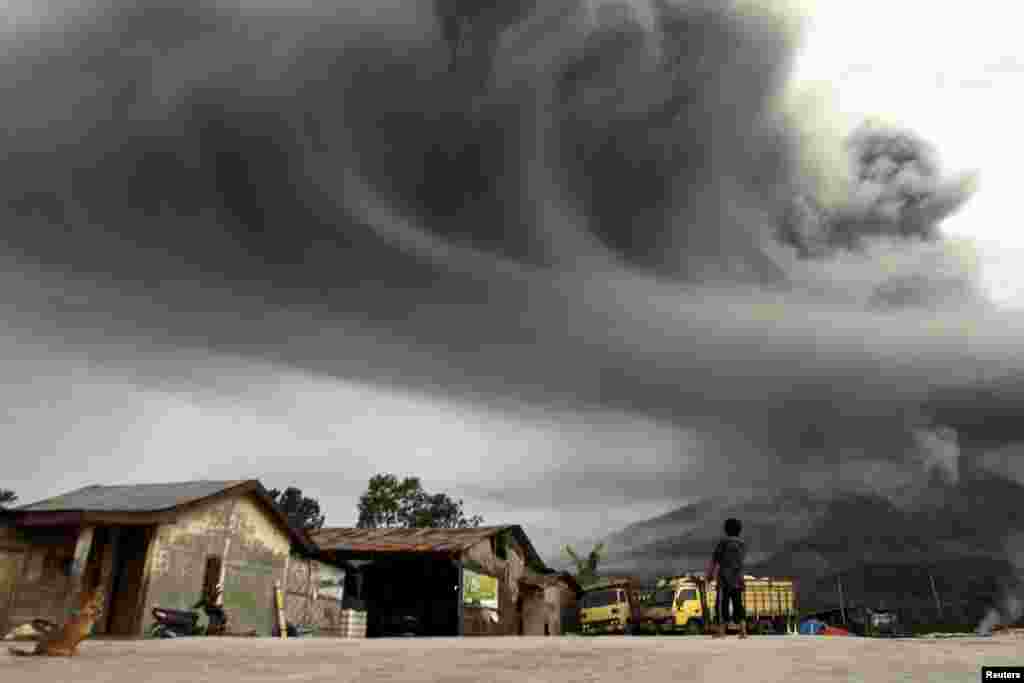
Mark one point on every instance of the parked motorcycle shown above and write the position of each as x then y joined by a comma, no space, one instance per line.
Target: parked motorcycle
177,623
174,623
217,620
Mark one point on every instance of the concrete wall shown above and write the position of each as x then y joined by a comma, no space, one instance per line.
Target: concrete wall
255,552
306,604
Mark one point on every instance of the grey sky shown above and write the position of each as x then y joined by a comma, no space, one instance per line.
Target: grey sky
256,252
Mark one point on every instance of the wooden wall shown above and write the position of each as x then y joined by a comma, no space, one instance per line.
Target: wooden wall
307,603
33,577
524,603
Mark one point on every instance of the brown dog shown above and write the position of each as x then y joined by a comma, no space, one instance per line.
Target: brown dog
64,642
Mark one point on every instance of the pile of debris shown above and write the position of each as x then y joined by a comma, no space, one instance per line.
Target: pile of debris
1011,631
33,630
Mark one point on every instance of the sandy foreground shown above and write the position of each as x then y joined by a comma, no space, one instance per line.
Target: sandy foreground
522,659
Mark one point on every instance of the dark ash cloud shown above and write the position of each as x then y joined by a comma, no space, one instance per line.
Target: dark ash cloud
557,205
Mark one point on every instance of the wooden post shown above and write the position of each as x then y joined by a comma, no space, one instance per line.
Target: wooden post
282,623
460,588
139,615
107,570
82,547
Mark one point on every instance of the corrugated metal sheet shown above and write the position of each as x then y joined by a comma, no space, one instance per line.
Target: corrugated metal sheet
131,498
397,540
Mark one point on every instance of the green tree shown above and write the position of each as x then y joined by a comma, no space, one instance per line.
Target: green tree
302,512
389,502
440,511
586,568
7,496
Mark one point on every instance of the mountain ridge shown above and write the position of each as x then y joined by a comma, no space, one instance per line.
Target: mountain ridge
966,539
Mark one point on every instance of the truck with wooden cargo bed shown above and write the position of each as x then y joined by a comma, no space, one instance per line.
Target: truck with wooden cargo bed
687,603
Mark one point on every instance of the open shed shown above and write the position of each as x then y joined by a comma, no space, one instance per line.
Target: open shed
446,582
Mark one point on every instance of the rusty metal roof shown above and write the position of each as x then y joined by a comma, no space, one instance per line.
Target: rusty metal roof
132,497
423,540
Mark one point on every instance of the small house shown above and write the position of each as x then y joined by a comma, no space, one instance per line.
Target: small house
152,545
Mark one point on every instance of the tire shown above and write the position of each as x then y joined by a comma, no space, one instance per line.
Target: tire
693,628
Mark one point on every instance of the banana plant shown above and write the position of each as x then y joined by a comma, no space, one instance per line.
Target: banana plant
586,568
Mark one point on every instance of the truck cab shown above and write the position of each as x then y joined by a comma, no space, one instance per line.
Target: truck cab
610,608
658,610
689,612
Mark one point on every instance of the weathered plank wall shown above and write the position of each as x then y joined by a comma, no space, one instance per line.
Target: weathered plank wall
38,572
13,551
535,613
509,571
255,552
560,599
37,585
307,602
538,606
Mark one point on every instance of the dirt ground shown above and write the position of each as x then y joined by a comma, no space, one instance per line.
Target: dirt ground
522,660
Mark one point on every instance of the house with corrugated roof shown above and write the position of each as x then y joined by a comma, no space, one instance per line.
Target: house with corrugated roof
445,582
160,545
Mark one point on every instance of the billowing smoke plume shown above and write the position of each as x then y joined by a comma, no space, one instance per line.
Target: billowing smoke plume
1009,607
881,237
574,202
539,133
939,451
896,188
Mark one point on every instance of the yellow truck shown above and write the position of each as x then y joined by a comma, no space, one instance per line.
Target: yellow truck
657,609
612,606
770,605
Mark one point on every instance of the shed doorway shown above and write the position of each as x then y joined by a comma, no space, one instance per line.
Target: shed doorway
412,596
129,548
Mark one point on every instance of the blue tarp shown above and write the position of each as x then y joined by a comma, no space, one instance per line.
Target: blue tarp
811,627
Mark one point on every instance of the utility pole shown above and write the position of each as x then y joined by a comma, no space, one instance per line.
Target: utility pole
842,603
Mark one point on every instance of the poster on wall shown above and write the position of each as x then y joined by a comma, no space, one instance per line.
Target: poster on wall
332,583
479,590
